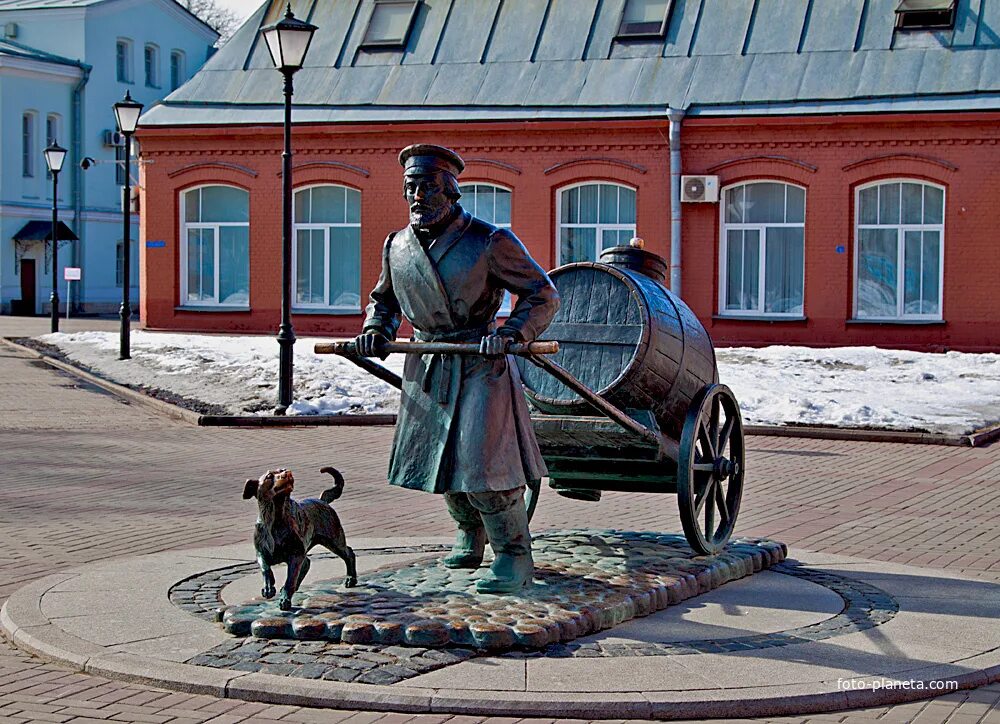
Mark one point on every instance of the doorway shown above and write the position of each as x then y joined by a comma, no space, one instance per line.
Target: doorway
25,306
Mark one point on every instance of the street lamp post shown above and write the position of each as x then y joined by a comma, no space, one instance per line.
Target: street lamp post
288,42
127,114
55,156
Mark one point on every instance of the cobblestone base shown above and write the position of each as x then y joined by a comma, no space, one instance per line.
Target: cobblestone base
585,581
865,607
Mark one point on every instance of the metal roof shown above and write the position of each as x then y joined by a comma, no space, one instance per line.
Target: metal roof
45,4
9,47
559,58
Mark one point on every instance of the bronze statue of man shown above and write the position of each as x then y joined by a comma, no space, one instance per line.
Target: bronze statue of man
463,428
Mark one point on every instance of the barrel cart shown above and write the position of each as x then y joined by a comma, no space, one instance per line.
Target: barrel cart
625,389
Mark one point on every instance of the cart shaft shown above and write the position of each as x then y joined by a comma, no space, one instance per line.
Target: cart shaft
522,349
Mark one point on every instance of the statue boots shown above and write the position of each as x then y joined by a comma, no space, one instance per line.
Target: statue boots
507,529
470,543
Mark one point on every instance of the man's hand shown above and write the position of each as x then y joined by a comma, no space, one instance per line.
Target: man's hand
495,345
370,344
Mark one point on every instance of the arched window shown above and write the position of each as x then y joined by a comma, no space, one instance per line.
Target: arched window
762,257
177,69
491,204
151,62
123,60
899,250
487,202
594,217
215,246
52,133
327,251
28,151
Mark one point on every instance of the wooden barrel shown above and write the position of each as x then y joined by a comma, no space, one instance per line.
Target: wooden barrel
625,336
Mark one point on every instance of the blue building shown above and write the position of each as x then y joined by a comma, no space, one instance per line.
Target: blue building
63,64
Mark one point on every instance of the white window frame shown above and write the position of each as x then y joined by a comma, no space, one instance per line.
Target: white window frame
325,228
181,64
601,228
761,229
901,230
151,69
129,65
29,143
216,226
507,303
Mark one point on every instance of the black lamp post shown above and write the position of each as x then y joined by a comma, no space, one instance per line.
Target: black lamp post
288,41
55,156
127,114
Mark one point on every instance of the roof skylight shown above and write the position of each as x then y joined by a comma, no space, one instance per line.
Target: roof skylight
644,18
390,23
925,14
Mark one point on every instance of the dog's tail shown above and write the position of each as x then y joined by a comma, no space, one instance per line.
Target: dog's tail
331,494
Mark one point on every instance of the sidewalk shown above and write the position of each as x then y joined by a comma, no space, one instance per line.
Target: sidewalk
88,478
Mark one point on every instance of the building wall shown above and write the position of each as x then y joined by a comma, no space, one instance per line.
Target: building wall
831,158
89,35
43,89
828,156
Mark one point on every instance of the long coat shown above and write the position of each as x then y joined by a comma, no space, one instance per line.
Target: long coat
463,423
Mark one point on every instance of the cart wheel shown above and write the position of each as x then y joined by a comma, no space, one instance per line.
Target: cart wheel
531,493
710,469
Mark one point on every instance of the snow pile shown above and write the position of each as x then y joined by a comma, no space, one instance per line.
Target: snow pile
237,374
950,393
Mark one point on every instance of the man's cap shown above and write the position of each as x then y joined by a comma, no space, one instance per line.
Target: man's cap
428,158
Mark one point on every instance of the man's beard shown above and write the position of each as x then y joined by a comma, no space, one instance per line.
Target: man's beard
425,217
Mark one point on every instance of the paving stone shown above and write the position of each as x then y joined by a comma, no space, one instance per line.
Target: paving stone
877,500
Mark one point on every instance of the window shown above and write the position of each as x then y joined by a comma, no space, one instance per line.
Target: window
120,264
900,249
390,23
28,151
762,258
491,204
327,251
644,18
594,217
215,246
123,60
152,62
120,164
925,14
51,136
177,69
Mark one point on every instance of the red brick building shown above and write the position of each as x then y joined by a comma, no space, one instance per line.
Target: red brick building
855,152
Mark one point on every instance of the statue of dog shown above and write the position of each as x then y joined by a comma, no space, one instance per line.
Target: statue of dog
287,529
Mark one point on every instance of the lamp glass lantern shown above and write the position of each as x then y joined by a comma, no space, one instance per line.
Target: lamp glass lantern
55,156
127,114
288,41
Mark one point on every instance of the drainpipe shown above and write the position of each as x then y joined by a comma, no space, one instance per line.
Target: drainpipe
77,155
676,116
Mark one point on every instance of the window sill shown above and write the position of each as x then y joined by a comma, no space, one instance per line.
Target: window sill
327,312
211,308
901,322
755,318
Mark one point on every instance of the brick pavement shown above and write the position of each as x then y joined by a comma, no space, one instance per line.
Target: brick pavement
88,477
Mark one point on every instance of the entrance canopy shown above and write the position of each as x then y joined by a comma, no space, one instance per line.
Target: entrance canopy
42,231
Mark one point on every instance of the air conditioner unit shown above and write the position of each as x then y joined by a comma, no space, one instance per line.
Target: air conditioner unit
113,138
10,31
699,189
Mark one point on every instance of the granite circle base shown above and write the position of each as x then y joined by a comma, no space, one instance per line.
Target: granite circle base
819,632
586,581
